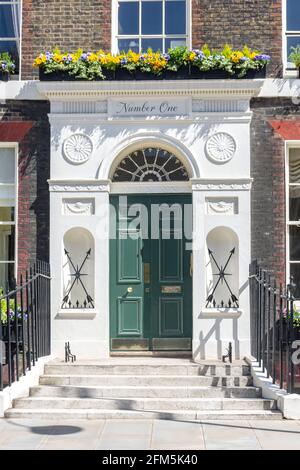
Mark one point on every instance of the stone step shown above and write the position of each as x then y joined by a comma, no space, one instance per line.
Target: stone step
71,391
148,369
173,415
144,380
158,404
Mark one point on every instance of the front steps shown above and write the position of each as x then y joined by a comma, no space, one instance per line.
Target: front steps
149,389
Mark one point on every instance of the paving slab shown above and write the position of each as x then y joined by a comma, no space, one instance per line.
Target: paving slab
126,435
177,435
229,435
281,435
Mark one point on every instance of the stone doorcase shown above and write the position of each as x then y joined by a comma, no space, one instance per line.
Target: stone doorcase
206,125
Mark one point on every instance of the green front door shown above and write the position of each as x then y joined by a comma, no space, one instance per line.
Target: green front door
150,273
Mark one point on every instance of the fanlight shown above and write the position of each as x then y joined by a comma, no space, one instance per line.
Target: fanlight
150,164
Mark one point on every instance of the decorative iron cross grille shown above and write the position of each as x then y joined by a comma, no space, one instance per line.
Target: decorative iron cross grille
78,279
222,274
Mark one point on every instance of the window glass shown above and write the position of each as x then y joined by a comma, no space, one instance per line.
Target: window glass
6,22
7,165
152,17
7,214
170,43
126,44
294,243
159,24
294,164
154,44
10,29
293,15
294,203
175,17
292,41
128,18
295,273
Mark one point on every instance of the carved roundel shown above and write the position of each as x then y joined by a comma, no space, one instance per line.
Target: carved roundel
221,147
78,148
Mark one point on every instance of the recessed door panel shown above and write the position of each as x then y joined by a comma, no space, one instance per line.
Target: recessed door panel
130,316
128,257
170,257
170,316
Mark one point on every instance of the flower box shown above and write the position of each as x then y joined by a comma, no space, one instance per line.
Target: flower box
4,76
58,76
178,64
123,74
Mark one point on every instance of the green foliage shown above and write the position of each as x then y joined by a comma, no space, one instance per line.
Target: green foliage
7,64
294,57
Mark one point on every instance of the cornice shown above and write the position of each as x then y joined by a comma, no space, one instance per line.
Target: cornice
221,184
84,185
60,91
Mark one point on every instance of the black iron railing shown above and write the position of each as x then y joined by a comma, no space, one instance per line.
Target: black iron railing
273,327
24,324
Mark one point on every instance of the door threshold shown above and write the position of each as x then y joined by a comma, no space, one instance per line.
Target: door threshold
151,353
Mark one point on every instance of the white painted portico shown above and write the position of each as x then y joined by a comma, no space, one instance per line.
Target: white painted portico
206,124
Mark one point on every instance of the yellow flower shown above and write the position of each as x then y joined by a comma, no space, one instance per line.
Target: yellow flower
92,58
57,58
236,56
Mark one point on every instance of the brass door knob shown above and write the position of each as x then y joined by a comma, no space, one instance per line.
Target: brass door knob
129,290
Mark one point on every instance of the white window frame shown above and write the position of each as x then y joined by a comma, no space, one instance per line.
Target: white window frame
6,2
12,202
114,29
289,144
285,34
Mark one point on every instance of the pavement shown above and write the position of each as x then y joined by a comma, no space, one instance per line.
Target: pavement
24,434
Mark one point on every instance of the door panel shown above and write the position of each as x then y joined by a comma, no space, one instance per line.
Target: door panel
170,257
170,316
130,316
150,282
128,256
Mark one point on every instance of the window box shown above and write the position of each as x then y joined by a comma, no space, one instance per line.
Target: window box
4,76
122,74
54,76
188,64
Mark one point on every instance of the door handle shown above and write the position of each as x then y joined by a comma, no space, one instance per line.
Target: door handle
129,290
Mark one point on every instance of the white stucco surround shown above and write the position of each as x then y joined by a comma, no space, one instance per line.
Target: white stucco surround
91,130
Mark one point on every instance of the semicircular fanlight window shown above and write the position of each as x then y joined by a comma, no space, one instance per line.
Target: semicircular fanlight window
150,164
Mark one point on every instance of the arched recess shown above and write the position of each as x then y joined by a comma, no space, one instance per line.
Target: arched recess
144,140
222,268
78,269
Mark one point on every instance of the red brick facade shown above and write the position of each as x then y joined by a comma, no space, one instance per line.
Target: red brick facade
26,122
237,22
68,25
87,24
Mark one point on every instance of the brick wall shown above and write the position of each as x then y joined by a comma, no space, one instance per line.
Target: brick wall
87,24
34,170
67,24
238,22
268,171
